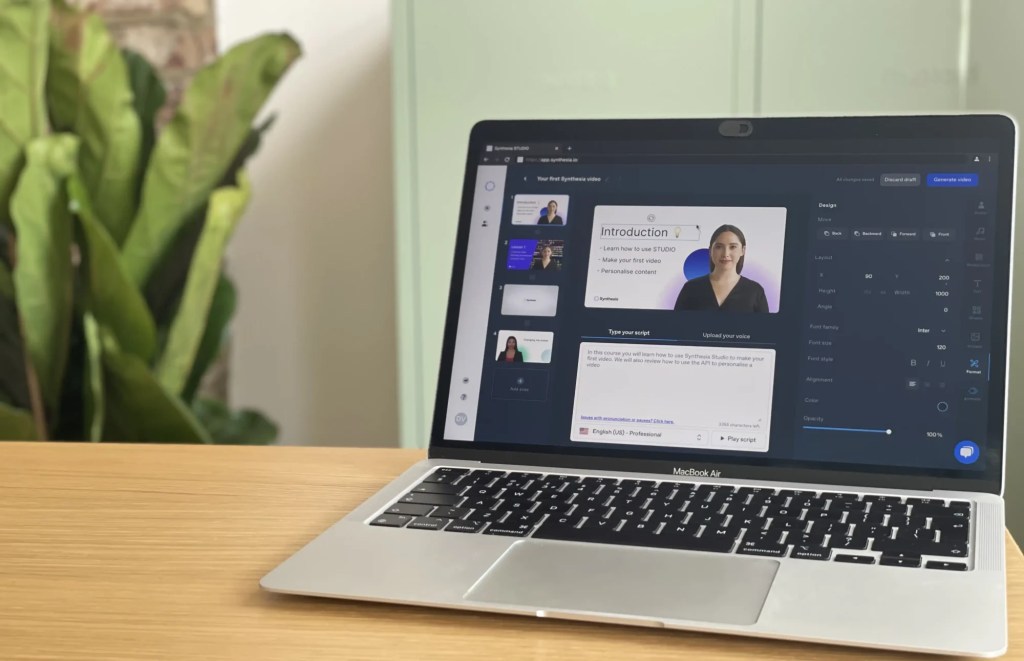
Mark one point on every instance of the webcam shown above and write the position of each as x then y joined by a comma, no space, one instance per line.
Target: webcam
736,128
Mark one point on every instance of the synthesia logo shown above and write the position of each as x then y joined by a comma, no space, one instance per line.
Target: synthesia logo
693,472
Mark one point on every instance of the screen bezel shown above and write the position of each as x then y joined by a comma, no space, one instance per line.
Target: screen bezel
999,128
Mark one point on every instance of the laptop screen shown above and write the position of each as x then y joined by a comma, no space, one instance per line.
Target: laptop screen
829,302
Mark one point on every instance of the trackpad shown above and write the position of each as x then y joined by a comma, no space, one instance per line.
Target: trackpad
654,583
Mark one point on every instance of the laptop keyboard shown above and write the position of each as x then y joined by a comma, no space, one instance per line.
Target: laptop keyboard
810,525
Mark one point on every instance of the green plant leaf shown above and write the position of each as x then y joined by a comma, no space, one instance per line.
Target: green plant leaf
246,427
109,293
6,281
89,95
138,409
222,308
16,424
93,397
148,97
13,377
23,52
190,322
195,150
43,274
164,287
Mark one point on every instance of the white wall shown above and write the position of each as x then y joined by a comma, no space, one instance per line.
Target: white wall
314,338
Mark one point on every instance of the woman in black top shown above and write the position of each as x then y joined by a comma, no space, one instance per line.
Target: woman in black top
545,262
551,217
724,288
511,354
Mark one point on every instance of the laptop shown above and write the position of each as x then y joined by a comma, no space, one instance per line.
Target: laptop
735,376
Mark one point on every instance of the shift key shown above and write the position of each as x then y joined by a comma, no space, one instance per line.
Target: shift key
431,499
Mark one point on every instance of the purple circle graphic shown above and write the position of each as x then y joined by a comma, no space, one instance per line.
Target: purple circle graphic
696,264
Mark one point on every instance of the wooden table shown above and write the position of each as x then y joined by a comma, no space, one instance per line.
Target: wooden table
154,552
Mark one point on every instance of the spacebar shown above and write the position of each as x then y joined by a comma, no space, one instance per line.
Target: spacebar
681,542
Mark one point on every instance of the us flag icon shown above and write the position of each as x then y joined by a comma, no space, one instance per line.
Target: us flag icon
584,431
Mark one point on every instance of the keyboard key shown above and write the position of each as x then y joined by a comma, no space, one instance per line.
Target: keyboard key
758,547
437,487
638,527
823,515
781,512
811,553
431,499
895,546
428,523
897,561
792,493
865,517
554,508
710,520
451,512
872,530
465,526
951,529
889,508
926,501
848,506
915,535
809,503
836,496
391,520
447,475
871,498
520,530
479,504
805,539
725,532
829,528
767,537
787,524
903,521
675,528
854,543
949,566
936,512
565,528
857,559
410,510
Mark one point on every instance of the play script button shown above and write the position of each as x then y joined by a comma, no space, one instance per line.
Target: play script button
739,440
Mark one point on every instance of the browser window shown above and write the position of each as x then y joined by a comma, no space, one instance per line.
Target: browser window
813,305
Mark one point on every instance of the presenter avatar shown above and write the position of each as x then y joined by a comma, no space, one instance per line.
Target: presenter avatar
551,217
545,261
724,288
511,354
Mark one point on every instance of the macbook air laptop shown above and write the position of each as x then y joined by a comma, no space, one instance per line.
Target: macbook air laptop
734,376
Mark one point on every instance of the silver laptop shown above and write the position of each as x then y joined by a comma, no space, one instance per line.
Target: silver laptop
733,376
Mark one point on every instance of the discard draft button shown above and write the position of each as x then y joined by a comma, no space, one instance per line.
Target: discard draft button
900,179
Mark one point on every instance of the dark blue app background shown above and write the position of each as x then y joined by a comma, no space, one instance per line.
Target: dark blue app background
882,331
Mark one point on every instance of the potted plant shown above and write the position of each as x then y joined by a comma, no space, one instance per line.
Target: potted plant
113,298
